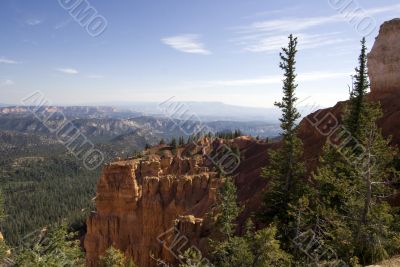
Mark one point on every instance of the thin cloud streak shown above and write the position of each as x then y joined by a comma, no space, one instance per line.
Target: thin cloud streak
33,22
62,24
306,41
7,83
187,43
270,35
4,60
68,71
298,24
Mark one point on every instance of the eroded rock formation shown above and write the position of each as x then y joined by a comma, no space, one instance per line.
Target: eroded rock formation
384,59
141,200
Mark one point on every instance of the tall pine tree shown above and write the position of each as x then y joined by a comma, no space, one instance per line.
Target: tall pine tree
376,236
286,169
356,104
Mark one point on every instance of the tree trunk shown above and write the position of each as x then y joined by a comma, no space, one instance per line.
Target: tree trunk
367,202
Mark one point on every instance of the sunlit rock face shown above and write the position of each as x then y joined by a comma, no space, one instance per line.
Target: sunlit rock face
141,201
384,59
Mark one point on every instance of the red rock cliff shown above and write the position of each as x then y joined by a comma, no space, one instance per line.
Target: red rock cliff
138,200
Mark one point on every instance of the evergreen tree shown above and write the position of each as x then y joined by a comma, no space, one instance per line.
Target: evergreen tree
255,248
266,249
347,211
350,202
4,250
324,211
237,133
228,208
356,104
181,141
173,143
162,141
285,170
193,258
58,248
375,236
115,258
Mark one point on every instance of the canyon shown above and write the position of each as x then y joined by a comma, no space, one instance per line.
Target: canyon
148,206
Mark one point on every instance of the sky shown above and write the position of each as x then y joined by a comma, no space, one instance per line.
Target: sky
193,50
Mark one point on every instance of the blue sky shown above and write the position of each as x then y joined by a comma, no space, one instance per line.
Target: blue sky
195,50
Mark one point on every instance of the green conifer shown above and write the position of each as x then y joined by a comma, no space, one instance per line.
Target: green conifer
285,170
356,104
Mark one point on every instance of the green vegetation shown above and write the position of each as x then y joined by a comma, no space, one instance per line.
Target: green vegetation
57,248
3,246
227,135
357,95
115,258
192,257
255,248
349,201
343,214
285,171
39,193
173,143
181,141
41,184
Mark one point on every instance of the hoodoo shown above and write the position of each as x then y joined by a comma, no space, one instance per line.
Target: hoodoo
140,202
384,59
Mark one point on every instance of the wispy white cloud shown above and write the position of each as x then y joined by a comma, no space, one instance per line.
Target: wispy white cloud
187,43
68,71
95,76
4,60
271,12
268,80
306,41
33,21
62,24
299,24
270,35
7,82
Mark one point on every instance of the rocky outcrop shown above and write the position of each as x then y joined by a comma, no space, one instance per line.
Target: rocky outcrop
143,203
384,59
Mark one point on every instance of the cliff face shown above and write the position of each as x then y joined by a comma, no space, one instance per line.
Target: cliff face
140,201
384,59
